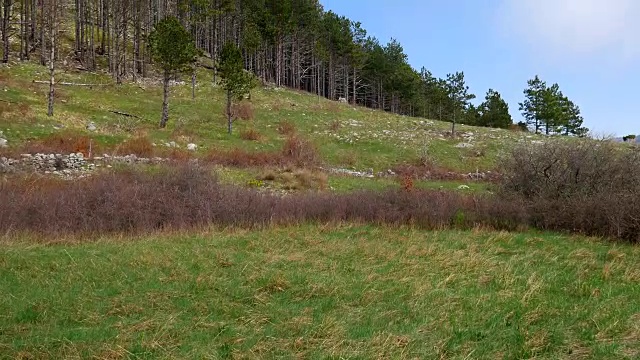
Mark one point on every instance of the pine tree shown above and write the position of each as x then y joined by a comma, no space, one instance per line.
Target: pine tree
495,111
459,95
235,80
532,106
548,108
173,49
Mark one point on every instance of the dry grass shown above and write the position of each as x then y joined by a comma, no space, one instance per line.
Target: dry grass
295,179
63,142
301,151
140,146
250,134
243,111
286,128
295,151
335,125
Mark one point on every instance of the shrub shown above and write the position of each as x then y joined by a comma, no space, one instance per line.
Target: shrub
300,151
407,182
135,201
243,111
250,134
286,128
585,186
64,142
239,158
139,146
335,125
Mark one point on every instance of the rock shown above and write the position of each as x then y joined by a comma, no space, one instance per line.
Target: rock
4,142
464,145
92,126
192,147
463,187
391,172
342,100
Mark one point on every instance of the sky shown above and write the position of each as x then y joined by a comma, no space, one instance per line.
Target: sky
591,48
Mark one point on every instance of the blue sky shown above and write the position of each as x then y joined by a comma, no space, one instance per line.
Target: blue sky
591,48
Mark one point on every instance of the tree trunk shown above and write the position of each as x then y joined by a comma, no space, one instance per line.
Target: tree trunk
52,57
229,117
453,124
43,45
354,86
165,100
193,84
6,15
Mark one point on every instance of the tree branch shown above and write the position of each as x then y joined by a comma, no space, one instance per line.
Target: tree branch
125,114
68,83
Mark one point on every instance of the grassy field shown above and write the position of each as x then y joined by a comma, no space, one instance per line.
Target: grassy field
347,136
355,292
306,291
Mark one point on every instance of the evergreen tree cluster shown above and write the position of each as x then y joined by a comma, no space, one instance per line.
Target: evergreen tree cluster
547,110
292,43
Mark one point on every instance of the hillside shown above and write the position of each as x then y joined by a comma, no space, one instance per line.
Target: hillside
347,137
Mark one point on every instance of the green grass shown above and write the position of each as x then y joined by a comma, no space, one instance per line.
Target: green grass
353,292
363,139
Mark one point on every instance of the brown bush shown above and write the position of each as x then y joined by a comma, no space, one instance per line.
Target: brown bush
304,179
62,142
250,134
243,110
349,158
295,151
585,186
135,201
300,151
4,107
427,171
22,109
177,154
407,182
242,158
333,107
140,146
286,128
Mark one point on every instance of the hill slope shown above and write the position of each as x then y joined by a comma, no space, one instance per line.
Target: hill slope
347,136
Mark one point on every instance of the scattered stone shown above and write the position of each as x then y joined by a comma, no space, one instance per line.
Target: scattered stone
92,126
3,142
463,187
192,147
367,174
463,145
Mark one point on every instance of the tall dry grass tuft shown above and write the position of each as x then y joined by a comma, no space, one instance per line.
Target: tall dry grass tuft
286,128
300,151
139,146
250,134
63,142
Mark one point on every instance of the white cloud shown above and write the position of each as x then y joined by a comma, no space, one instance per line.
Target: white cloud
574,28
